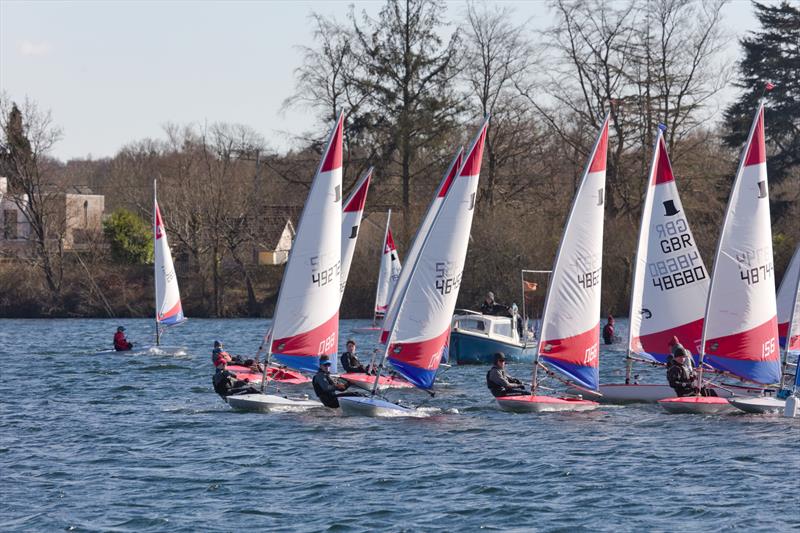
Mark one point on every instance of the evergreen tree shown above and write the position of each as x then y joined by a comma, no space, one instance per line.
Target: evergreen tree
772,56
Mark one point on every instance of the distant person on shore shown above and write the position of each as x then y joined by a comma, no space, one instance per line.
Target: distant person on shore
608,331
350,362
499,382
121,344
326,388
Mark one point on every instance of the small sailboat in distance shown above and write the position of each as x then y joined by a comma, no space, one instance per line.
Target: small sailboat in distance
169,311
388,274
420,328
740,330
305,325
570,337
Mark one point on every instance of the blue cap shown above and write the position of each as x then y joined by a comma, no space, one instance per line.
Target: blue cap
325,362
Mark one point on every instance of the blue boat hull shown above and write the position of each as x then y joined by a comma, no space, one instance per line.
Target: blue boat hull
466,349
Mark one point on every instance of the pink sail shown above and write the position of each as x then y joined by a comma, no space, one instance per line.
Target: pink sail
421,328
306,321
570,335
670,282
352,213
389,271
419,238
741,328
788,304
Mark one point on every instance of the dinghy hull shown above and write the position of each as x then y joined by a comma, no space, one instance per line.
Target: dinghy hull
373,407
365,381
543,404
759,406
619,393
697,405
266,403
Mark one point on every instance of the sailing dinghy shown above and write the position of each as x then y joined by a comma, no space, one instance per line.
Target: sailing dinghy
352,213
570,336
788,304
670,284
740,330
305,324
388,274
419,330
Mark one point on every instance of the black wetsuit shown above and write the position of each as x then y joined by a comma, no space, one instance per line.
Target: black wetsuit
326,389
681,379
226,384
350,363
501,384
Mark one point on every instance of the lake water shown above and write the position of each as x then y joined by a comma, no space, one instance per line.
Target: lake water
108,442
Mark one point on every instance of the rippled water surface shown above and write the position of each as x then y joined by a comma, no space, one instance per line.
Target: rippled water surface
108,442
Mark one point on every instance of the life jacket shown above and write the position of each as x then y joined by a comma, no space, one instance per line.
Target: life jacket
328,399
121,344
218,357
224,383
494,388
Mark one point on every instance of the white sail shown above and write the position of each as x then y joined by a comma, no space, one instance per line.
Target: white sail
740,331
788,304
168,298
352,212
389,271
570,336
670,282
306,321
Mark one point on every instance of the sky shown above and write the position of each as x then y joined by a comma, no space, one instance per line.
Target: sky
115,72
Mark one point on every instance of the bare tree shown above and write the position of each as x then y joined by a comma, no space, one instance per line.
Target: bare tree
28,135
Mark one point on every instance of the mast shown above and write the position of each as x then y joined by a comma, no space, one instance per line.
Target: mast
646,208
737,179
155,265
380,271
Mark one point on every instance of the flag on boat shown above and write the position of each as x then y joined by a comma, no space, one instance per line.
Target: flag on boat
788,304
419,238
570,336
306,321
670,281
352,212
420,331
168,298
741,327
389,271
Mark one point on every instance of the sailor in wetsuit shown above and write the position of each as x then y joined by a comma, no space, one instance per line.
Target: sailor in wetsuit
226,384
680,375
326,387
350,362
500,383
121,344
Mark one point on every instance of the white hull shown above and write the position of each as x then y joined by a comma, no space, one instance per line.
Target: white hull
619,393
270,402
759,406
543,404
693,405
374,407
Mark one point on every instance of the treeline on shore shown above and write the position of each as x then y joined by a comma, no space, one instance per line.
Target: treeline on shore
414,82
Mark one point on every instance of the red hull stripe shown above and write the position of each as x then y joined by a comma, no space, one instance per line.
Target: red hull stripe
472,166
333,159
751,345
320,340
689,335
663,167
426,354
449,179
757,152
599,161
359,199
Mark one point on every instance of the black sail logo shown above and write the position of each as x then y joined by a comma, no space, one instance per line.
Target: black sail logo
762,189
600,196
669,209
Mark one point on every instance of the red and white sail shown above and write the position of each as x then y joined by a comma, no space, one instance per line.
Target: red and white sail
789,305
670,282
389,271
570,336
421,329
741,326
352,212
419,238
169,310
306,321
